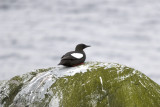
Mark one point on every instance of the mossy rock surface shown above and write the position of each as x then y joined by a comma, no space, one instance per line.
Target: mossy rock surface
94,84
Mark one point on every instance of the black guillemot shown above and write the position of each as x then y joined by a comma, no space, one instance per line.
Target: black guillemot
74,58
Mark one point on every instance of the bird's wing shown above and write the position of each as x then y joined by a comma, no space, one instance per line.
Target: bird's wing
68,56
72,56
77,55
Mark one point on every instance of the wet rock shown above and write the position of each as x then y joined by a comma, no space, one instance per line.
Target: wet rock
93,84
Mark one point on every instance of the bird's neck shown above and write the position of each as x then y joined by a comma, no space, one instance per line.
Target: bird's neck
79,50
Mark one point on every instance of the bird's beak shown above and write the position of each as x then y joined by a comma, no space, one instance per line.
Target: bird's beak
87,46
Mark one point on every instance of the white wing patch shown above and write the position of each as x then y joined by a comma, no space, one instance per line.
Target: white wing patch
77,55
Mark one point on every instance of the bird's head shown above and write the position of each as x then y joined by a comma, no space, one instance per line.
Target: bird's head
80,47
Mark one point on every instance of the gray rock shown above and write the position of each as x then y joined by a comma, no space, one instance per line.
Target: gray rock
93,84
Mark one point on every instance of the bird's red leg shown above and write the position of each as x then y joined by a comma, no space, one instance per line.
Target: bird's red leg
78,64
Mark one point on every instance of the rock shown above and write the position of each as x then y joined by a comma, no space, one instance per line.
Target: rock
93,84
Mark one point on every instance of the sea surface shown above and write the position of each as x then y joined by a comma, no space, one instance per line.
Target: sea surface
34,34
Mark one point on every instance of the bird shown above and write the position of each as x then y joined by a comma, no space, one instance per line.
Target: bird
74,58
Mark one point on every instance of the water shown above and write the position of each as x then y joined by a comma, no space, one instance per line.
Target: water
35,34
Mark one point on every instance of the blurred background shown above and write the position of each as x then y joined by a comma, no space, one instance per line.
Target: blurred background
36,33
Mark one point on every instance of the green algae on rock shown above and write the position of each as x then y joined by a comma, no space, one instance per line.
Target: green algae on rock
93,84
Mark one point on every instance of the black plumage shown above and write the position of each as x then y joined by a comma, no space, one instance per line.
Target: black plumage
74,58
